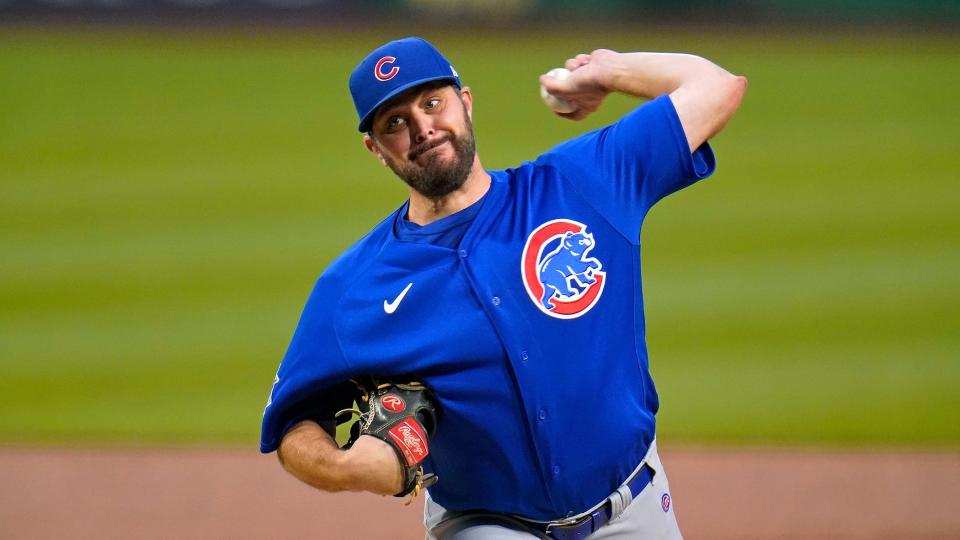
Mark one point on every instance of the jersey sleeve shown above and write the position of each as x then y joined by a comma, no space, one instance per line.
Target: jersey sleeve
312,372
622,170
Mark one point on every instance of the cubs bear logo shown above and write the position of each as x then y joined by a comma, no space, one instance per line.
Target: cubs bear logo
560,278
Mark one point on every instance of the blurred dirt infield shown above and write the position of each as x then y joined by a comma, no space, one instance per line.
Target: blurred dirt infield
718,494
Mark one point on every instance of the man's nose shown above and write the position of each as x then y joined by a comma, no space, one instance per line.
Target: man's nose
422,127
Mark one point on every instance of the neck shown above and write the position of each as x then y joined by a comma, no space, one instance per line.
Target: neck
424,210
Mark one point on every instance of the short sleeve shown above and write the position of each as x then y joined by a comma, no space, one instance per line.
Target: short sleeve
312,370
625,168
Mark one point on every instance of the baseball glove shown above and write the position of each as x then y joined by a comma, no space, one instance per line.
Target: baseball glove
404,416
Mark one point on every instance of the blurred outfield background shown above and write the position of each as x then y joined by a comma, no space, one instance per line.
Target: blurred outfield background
169,193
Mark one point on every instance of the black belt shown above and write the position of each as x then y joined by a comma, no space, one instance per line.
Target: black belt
591,523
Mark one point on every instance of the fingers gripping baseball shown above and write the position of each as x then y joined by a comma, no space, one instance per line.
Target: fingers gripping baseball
586,86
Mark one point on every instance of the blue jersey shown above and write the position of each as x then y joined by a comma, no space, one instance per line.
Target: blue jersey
530,331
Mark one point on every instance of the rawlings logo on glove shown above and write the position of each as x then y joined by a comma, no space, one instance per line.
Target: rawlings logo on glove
411,440
402,415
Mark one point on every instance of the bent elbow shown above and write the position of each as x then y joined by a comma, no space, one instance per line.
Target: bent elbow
741,87
727,98
736,87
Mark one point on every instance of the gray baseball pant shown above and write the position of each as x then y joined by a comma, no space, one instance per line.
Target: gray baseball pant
650,516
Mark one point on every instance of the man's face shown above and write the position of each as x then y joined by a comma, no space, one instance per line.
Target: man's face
425,136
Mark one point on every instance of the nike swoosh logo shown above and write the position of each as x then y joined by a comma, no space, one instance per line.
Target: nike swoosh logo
390,307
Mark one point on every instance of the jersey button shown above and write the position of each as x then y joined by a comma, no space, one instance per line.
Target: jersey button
495,300
524,356
542,415
463,253
556,470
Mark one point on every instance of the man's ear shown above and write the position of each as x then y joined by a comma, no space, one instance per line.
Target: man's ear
466,95
373,148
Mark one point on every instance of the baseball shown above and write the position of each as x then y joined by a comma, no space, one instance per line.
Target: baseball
556,104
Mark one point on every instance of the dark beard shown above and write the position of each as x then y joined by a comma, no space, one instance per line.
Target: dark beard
437,180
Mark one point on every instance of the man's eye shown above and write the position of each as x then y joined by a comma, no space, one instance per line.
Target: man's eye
432,103
394,122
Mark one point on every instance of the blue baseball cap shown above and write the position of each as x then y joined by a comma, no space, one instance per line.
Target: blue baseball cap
393,68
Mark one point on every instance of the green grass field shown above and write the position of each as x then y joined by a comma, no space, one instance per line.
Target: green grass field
169,198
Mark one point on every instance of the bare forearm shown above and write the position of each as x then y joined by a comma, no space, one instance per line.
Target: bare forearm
309,453
704,95
648,75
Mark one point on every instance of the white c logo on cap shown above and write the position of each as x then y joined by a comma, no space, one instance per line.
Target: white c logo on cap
378,70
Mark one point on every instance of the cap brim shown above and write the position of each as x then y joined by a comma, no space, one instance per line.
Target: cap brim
365,124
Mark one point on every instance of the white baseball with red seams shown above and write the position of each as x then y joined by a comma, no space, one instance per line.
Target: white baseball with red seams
557,104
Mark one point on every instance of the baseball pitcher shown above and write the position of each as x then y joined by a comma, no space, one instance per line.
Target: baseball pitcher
489,333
